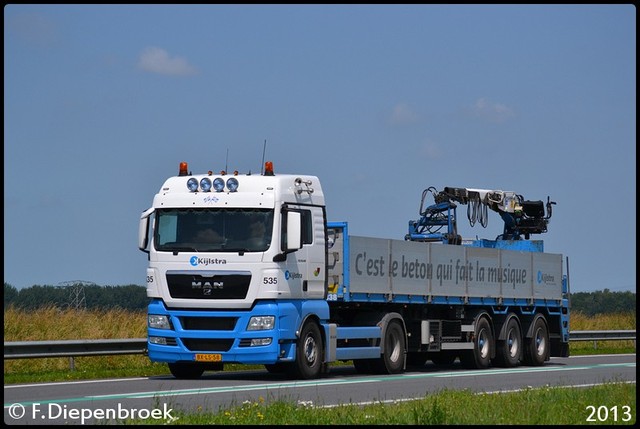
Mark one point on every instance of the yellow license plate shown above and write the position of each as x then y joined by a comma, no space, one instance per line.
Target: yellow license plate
208,357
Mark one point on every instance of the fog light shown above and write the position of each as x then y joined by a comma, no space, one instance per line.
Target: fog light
158,340
260,341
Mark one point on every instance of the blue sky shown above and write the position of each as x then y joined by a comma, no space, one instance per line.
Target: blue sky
102,102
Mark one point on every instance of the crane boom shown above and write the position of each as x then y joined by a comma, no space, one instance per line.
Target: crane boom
521,217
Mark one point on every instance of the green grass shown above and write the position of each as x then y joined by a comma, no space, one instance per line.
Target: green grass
546,406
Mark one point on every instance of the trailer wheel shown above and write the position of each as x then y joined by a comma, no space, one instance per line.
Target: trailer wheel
309,348
509,351
537,347
480,356
186,370
392,359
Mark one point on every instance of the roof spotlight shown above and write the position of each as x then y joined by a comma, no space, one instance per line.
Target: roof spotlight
205,184
218,184
232,184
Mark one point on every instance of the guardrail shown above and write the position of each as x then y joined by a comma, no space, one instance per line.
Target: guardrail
76,348
602,335
72,348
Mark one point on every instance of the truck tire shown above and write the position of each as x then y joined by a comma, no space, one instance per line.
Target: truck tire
509,350
392,359
186,370
480,356
308,364
536,348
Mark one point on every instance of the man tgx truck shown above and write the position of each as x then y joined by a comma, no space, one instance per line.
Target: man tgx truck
245,268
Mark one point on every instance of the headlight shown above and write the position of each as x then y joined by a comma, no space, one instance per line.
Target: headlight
261,323
192,184
205,184
232,184
158,322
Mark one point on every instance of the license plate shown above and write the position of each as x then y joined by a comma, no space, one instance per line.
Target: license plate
209,357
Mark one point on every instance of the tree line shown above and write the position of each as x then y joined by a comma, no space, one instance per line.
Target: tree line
79,296
134,297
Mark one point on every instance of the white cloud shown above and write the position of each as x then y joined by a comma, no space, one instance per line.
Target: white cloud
157,60
494,112
403,114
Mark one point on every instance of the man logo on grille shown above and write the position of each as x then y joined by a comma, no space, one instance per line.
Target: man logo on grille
207,285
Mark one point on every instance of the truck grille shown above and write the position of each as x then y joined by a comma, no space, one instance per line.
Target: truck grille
195,286
208,345
208,323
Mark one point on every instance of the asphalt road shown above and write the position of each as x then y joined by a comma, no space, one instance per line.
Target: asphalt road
157,398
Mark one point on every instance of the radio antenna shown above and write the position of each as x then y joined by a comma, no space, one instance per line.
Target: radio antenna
264,149
226,161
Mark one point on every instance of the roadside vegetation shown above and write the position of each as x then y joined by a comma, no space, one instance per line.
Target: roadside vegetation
52,323
616,401
547,406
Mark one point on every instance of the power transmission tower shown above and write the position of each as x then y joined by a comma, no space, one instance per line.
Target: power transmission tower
77,299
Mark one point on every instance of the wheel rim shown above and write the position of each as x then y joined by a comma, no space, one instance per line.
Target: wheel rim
395,354
483,344
541,342
310,350
513,344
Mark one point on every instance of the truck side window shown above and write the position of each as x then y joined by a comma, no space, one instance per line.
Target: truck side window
307,227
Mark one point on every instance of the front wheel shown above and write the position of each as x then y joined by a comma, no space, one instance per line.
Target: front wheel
309,348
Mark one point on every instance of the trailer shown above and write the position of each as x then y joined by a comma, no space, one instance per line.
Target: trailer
247,269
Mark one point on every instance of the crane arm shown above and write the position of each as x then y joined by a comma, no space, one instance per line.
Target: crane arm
520,216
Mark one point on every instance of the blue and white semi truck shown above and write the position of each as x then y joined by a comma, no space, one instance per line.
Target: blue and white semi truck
245,268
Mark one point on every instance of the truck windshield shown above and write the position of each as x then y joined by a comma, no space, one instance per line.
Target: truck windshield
213,230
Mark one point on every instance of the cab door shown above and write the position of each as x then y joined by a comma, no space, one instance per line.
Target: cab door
306,268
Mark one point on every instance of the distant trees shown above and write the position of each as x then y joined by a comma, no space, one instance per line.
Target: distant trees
134,297
129,297
603,302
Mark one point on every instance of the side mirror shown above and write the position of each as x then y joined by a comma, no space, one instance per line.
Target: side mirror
292,240
294,232
143,230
